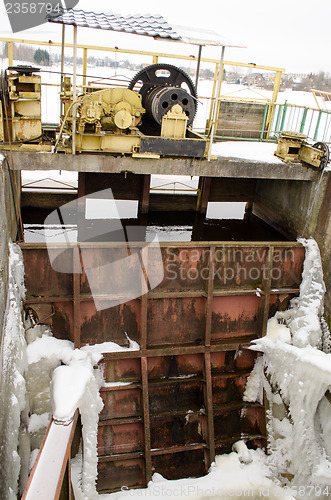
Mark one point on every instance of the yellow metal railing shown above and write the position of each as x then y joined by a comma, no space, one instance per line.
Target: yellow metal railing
325,96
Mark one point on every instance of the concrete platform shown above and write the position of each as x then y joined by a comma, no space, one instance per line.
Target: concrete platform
219,167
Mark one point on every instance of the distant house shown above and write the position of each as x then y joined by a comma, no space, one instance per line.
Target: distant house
256,79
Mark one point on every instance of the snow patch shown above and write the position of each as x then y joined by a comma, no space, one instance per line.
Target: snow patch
37,422
254,151
228,478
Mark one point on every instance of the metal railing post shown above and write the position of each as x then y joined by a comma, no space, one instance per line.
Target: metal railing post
317,125
283,116
264,120
74,92
10,54
303,120
272,106
84,67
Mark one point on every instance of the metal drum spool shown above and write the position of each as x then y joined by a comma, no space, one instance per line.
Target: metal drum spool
162,99
161,87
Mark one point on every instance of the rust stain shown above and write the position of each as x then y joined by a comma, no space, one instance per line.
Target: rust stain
168,320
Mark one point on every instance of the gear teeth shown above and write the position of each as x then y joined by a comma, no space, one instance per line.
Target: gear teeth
146,87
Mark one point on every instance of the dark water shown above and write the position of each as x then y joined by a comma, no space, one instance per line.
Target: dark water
169,226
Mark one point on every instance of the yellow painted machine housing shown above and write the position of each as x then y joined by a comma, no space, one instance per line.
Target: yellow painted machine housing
174,123
2,135
24,106
116,110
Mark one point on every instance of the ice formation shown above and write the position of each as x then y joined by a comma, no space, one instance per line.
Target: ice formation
12,383
304,317
69,381
41,376
295,375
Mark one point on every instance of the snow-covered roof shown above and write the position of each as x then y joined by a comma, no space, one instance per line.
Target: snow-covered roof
150,25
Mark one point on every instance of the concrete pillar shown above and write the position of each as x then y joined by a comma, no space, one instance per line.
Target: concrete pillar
203,197
8,230
144,201
288,207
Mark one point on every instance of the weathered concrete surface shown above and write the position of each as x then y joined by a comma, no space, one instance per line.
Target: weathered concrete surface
8,231
220,167
285,205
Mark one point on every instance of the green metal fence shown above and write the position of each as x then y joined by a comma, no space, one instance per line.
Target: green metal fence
315,123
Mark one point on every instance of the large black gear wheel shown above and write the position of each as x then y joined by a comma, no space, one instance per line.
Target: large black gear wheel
4,93
325,158
160,92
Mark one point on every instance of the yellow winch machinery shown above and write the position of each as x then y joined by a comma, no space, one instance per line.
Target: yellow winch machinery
152,116
20,93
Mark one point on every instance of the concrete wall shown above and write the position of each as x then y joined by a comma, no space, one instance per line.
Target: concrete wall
285,205
8,229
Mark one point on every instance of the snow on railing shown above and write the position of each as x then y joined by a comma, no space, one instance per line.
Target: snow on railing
51,471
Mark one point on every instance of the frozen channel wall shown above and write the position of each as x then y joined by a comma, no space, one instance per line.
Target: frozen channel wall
300,209
8,229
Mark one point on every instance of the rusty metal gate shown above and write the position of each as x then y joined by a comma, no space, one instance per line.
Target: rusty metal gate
180,400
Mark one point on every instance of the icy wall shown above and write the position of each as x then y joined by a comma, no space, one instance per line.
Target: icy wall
12,382
294,373
42,376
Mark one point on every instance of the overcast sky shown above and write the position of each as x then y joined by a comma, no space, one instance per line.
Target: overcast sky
290,34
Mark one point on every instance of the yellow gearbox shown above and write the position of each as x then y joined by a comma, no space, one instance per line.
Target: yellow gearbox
116,109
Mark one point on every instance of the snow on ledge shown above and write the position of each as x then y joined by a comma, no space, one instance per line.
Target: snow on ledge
254,151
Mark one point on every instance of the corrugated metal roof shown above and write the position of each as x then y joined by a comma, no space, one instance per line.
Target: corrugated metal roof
201,36
155,26
150,25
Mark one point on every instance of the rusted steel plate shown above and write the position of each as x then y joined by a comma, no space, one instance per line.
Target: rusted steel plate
238,422
226,390
168,320
63,321
114,475
287,267
121,370
110,325
121,403
232,361
174,431
239,266
235,316
179,396
41,279
184,268
177,465
175,366
113,271
253,418
245,359
120,438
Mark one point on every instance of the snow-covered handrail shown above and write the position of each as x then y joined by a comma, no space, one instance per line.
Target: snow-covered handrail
48,475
